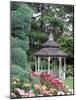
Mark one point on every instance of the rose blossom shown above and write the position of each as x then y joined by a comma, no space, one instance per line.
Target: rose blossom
36,86
14,82
26,94
13,95
31,94
44,87
45,92
60,93
20,91
36,73
50,94
71,91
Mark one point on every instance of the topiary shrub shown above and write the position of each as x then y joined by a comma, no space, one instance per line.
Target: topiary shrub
21,20
16,70
16,43
18,56
17,76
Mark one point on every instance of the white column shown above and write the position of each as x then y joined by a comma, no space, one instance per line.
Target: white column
64,69
35,64
49,65
60,68
38,63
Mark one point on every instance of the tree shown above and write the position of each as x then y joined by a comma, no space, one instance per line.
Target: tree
20,26
55,19
66,42
21,21
49,18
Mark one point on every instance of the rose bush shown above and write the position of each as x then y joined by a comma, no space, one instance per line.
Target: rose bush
46,85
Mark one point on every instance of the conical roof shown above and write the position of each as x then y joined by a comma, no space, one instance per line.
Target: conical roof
52,52
50,43
50,48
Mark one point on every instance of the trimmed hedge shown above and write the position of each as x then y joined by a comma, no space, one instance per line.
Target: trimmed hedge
16,43
18,56
16,70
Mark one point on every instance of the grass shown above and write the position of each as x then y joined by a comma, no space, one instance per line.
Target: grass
69,82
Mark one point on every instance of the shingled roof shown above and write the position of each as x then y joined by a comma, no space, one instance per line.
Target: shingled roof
50,43
50,48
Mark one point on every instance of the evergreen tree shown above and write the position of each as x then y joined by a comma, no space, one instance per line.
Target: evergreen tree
20,26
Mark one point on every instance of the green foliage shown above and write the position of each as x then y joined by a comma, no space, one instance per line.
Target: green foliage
32,64
20,22
69,71
44,64
53,19
19,76
36,80
16,43
54,64
18,56
37,37
21,18
17,71
66,43
14,5
28,76
20,26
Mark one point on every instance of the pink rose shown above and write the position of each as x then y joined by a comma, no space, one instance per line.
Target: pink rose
31,94
36,86
13,95
20,91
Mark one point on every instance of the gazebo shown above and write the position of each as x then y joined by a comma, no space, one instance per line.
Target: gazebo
50,49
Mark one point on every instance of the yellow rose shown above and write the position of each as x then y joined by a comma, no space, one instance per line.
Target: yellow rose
26,85
44,87
14,82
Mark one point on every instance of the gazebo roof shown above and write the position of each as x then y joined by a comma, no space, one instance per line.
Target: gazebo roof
52,52
50,43
50,48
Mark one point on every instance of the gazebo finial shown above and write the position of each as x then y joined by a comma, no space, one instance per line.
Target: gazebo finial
50,36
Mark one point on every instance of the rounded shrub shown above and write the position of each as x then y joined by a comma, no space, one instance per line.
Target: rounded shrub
18,56
17,77
17,71
16,42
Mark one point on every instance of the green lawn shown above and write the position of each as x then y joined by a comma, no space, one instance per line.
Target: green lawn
69,82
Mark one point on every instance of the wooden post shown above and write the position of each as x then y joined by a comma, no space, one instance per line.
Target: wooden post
49,65
60,68
38,63
64,69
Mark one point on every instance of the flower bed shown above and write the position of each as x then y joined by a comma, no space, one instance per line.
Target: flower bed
47,85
